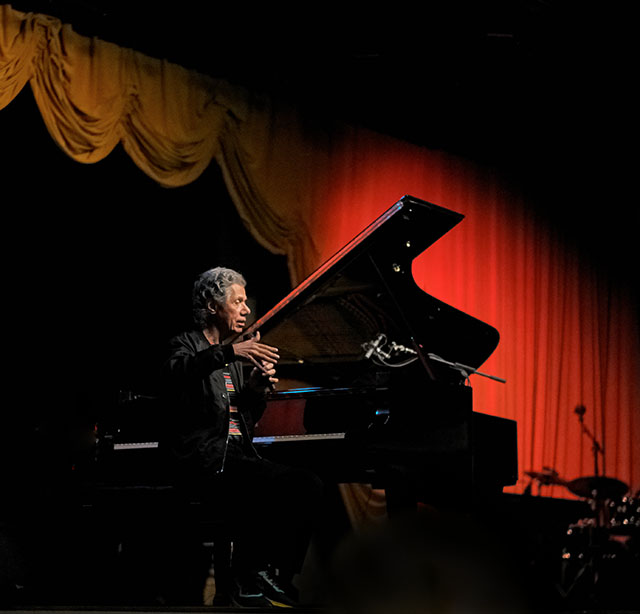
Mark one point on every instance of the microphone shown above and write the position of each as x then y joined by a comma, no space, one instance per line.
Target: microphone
372,346
395,347
580,410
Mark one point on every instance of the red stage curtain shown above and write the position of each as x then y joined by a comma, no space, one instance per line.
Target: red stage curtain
569,330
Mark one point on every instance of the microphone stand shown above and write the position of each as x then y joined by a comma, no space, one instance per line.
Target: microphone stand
595,447
597,505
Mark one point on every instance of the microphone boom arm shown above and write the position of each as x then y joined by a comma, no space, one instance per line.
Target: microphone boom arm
465,369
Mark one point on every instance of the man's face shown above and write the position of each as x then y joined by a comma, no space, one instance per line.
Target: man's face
231,316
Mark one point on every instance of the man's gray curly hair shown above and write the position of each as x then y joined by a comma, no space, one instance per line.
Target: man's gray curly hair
213,285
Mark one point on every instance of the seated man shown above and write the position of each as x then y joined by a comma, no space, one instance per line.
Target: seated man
212,412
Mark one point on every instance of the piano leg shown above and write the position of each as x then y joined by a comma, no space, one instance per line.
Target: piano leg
399,485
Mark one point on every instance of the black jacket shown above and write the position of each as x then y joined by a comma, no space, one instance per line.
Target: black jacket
197,403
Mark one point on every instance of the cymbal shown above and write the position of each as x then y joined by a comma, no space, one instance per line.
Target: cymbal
546,477
597,487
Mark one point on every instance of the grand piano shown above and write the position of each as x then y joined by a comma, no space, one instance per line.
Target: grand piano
375,375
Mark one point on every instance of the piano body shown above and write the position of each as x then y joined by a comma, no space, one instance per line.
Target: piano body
373,371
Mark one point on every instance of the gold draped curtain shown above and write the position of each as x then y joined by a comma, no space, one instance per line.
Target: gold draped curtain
172,122
303,189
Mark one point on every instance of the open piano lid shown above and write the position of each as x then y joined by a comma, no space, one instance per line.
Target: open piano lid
366,290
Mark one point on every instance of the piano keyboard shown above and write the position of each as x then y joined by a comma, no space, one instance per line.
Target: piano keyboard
148,445
136,445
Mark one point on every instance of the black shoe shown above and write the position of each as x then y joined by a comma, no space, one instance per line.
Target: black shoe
280,594
246,592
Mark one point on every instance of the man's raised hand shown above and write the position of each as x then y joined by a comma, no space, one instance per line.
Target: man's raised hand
256,352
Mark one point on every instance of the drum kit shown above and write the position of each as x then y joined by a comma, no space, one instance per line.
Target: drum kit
597,487
608,540
599,552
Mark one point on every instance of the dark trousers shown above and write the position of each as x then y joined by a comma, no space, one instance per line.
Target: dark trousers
272,507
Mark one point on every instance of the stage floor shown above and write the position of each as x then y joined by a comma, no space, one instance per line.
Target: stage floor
544,547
